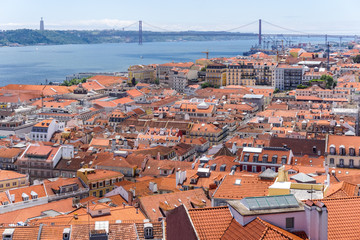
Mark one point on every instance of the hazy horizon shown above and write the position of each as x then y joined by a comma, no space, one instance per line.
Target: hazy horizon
322,16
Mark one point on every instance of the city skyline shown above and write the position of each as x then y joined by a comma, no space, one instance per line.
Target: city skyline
309,17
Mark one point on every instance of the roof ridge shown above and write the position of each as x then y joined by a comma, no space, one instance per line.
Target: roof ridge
207,208
341,198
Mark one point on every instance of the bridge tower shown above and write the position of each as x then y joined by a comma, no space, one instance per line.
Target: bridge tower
260,40
140,32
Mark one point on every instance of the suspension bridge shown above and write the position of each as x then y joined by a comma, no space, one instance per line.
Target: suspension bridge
263,38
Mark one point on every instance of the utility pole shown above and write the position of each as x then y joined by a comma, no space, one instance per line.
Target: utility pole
260,32
140,32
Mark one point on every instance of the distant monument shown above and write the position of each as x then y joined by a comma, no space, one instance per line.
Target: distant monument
42,25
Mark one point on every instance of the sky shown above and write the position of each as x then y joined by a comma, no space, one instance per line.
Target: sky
308,16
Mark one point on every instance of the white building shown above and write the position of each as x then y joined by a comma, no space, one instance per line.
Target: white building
44,130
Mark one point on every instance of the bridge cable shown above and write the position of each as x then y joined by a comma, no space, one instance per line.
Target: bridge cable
287,29
130,25
163,29
241,26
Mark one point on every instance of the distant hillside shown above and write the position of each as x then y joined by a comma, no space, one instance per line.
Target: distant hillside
57,37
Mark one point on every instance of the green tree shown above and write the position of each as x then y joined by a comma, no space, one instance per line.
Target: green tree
276,90
157,81
205,85
133,81
356,59
300,86
330,83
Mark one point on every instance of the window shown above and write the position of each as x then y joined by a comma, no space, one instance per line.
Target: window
332,150
148,232
253,168
100,184
94,185
263,168
351,163
14,183
256,158
352,151
246,157
341,162
332,161
8,185
244,168
342,150
265,158
94,194
283,160
274,159
290,222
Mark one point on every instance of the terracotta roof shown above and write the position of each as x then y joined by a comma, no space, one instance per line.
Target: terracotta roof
342,189
98,175
17,192
251,186
133,93
61,206
124,213
343,217
154,205
9,152
210,223
256,229
7,175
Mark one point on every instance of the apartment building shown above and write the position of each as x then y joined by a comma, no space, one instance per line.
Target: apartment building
241,74
99,181
342,151
287,77
216,74
40,161
44,130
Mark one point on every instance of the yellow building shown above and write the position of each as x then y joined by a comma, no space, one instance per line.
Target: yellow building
216,74
141,73
240,74
11,179
99,181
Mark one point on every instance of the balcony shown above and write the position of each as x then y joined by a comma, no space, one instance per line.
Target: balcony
347,166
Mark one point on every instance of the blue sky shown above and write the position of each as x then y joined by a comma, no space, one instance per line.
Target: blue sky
312,16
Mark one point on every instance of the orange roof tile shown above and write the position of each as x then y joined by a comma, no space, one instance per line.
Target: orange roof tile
210,223
7,175
343,218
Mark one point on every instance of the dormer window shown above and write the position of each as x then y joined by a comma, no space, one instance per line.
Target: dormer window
352,151
332,150
148,232
265,158
274,159
256,158
283,160
25,197
34,195
342,150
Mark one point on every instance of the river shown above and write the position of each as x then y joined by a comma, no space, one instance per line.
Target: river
34,64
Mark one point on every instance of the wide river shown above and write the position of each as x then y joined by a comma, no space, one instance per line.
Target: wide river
34,64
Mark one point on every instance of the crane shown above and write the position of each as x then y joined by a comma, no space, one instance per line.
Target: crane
207,54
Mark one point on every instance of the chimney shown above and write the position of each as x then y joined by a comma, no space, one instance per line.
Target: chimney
66,234
153,187
8,234
316,220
